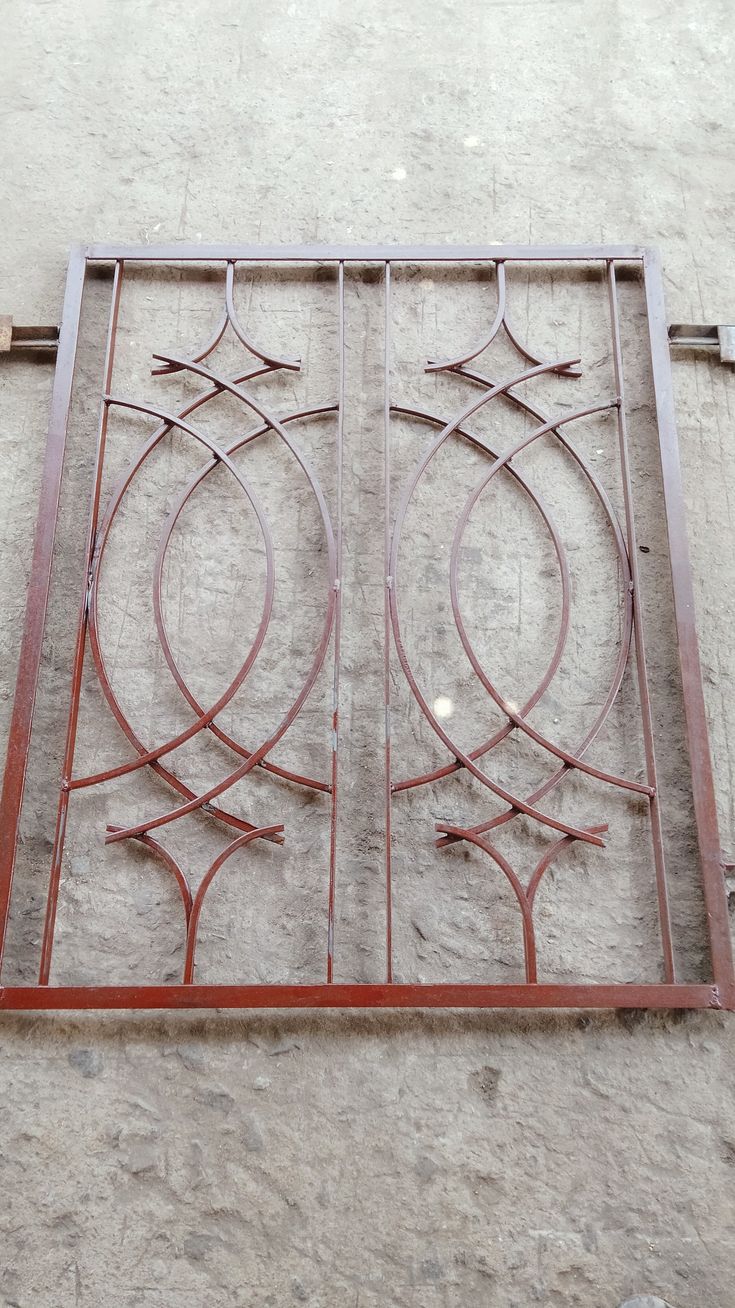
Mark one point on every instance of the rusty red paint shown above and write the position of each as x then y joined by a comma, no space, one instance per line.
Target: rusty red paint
390,995
534,992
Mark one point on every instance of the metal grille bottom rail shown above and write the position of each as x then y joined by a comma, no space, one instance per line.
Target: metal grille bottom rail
393,995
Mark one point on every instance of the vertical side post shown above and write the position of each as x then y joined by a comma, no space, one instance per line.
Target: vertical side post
81,639
21,722
659,856
387,636
337,637
703,790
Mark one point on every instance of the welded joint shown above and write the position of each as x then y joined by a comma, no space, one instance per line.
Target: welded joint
699,336
724,997
15,338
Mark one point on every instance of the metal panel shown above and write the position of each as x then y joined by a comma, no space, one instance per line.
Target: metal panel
151,826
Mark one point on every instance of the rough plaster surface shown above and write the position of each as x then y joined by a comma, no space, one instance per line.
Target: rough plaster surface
421,1160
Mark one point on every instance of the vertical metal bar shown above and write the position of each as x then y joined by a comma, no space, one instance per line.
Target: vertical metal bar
703,791
81,640
387,636
664,913
21,722
337,636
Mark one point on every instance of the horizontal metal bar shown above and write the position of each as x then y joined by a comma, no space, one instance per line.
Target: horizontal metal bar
704,336
360,996
697,334
17,337
364,253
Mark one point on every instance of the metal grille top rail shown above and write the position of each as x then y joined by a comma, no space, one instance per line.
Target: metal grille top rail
150,828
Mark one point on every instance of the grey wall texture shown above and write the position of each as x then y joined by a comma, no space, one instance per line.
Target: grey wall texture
425,1161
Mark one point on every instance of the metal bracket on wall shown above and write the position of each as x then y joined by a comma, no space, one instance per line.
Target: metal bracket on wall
700,336
36,340
544,834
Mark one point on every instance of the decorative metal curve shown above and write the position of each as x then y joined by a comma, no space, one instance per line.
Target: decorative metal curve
174,868
237,775
525,895
501,321
193,921
626,587
272,360
204,720
518,719
205,350
572,759
101,537
423,462
153,755
627,612
529,936
286,773
436,775
230,317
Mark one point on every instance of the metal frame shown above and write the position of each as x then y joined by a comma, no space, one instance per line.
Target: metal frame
719,993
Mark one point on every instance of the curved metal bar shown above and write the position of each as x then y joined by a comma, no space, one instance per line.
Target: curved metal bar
515,717
450,768
529,936
229,315
193,920
438,773
152,755
624,651
516,804
434,365
496,389
275,424
500,320
568,370
285,773
173,867
232,778
545,862
204,352
271,359
115,500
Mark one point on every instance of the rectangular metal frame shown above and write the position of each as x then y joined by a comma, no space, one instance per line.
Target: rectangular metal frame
719,993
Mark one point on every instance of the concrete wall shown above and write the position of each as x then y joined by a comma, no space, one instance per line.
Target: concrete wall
432,1160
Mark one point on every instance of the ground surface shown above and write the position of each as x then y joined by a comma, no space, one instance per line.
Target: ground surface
440,1160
